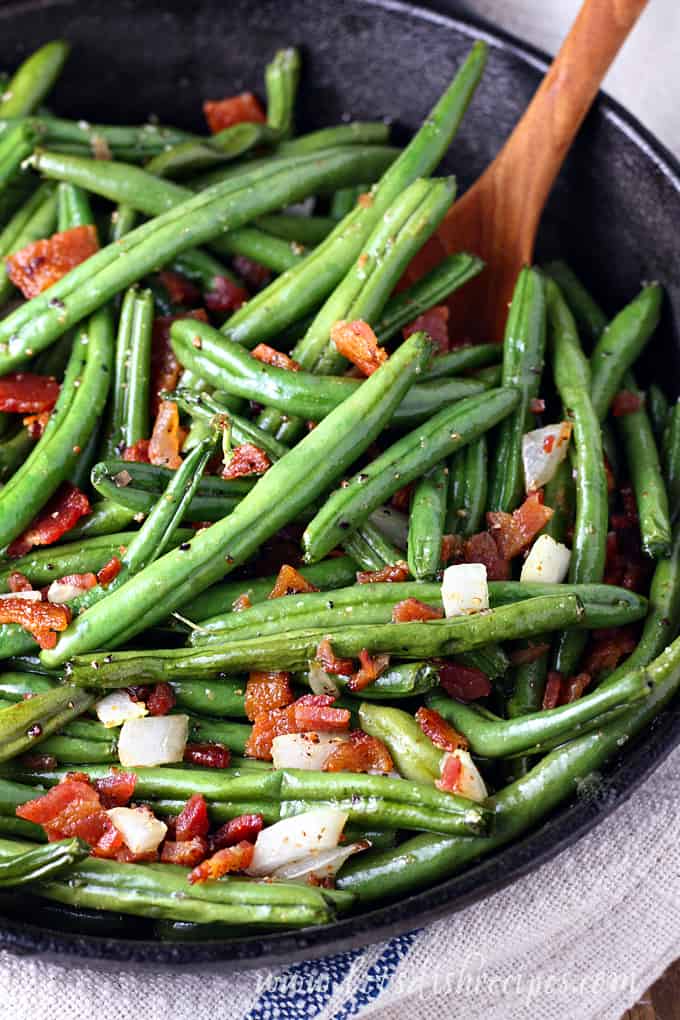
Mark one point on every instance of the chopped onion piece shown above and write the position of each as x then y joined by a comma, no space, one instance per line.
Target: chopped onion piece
63,591
319,865
117,707
470,783
548,561
293,838
156,740
543,450
464,589
320,681
141,830
304,750
30,596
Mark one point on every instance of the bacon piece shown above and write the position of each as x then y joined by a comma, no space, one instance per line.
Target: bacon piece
193,819
553,690
166,438
40,264
330,662
232,858
626,402
46,807
316,712
441,733
138,453
109,844
267,724
187,853
290,582
451,773
481,548
360,753
27,393
246,459
537,405
81,582
434,322
165,368
401,499
127,856
369,670
392,572
116,789
611,480
36,424
269,356
357,342
608,648
61,513
255,275
452,548
514,532
241,109
413,611
181,291
241,603
18,582
208,754
265,691
41,619
464,683
574,688
109,572
71,808
523,656
225,296
236,830
161,699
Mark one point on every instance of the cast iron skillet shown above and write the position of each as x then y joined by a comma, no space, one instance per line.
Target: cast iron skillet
613,214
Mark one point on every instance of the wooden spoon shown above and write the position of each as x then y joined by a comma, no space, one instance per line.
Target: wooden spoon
497,218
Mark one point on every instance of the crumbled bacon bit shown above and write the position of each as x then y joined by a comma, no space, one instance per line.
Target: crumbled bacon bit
232,858
357,342
161,699
548,443
267,724
290,582
413,611
165,368
138,453
193,819
401,499
360,753
316,712
109,845
537,405
27,393
451,773
481,548
41,619
452,548
36,424
71,808
82,582
116,789
553,690
225,296
523,656
464,683
127,856
241,603
370,668
255,275
61,513
246,459
365,200
109,572
40,264
236,830
240,109
611,480
330,662
18,582
268,356
187,853
265,691
166,438
209,755
392,572
514,532
626,402
574,688
434,322
608,648
440,732
181,291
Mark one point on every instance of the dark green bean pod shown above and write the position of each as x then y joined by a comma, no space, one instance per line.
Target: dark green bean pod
79,751
27,723
34,79
467,496
590,318
304,230
560,494
41,863
345,199
426,522
105,519
73,207
15,147
414,754
132,368
461,359
523,352
620,344
205,407
407,459
370,549
671,458
658,408
282,77
203,268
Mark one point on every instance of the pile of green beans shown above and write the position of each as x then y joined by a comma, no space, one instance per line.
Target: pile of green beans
359,489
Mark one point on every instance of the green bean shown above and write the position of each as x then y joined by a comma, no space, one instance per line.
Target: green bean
303,288
671,457
13,686
519,807
644,470
408,458
219,698
37,323
224,810
523,351
560,494
123,220
131,380
605,605
205,406
15,147
231,734
621,343
24,725
377,811
294,651
370,549
658,408
74,417
41,863
345,199
468,488
393,524
277,498
590,318
134,143
282,76
272,252
191,155
106,519
414,754
14,451
461,359
137,487
73,207
34,79
33,221
426,522
572,377
76,750
404,680
305,230
204,269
